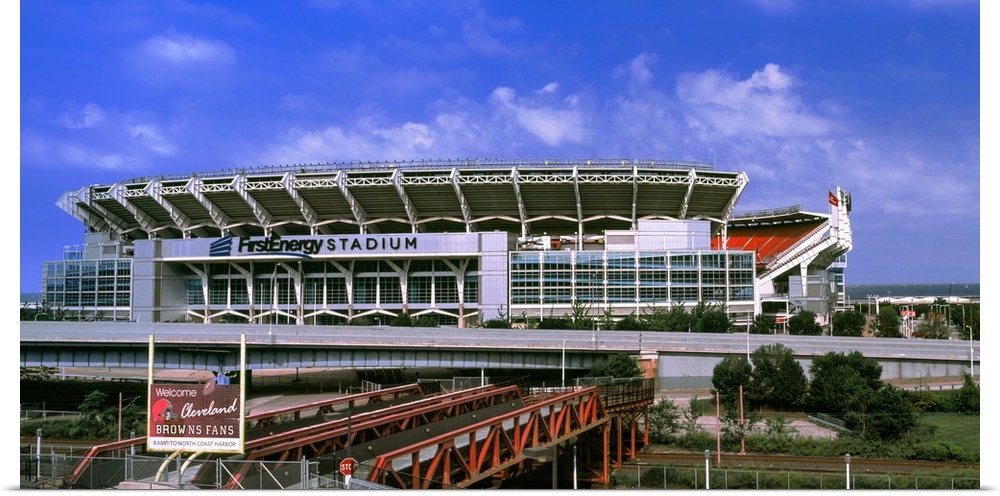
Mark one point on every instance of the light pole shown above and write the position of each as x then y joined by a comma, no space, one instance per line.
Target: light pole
574,466
972,363
847,462
562,363
38,456
707,485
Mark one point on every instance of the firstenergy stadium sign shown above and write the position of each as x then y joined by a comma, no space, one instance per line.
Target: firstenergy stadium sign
310,246
194,418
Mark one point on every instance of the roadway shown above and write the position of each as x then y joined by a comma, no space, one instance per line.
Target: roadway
211,347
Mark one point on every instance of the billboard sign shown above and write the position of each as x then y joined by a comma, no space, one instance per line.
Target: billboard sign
195,417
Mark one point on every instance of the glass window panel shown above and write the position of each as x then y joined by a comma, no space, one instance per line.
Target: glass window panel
471,290
390,290
419,289
445,289
336,290
194,294
364,290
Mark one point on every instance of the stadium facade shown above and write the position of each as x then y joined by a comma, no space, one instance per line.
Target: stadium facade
461,241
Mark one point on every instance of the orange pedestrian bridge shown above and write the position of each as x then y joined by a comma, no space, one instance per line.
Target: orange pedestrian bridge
414,436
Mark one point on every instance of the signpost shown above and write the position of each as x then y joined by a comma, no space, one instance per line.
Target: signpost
347,467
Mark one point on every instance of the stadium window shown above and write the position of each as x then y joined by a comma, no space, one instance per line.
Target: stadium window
336,290
194,294
445,289
390,290
471,290
238,292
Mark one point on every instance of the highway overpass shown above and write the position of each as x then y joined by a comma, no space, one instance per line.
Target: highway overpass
680,360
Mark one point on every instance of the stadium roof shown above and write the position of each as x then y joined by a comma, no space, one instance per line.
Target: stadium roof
521,196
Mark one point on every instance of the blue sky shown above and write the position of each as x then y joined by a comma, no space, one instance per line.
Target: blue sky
879,98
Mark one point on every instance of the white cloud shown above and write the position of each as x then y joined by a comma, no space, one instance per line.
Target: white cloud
78,155
550,88
638,71
763,104
480,35
180,49
362,142
149,137
554,127
89,116
408,136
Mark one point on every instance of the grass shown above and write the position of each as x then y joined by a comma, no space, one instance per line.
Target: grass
958,428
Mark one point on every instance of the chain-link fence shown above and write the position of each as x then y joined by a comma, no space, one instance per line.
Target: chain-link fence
130,471
642,476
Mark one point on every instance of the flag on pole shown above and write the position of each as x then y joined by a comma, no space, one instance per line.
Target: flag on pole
833,198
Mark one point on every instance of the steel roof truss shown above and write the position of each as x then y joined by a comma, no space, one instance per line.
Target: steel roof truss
579,207
195,186
239,184
466,211
635,198
288,181
515,180
692,177
360,216
117,192
411,211
154,190
71,202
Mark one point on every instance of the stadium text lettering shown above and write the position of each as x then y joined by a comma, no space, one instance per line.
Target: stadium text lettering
315,246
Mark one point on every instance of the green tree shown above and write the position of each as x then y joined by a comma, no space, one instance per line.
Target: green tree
664,420
425,320
888,323
728,375
967,399
581,316
501,322
733,430
628,323
884,414
933,329
694,411
496,324
804,324
778,426
777,379
716,320
848,323
762,324
41,373
678,320
619,366
655,319
556,323
401,320
836,378
99,419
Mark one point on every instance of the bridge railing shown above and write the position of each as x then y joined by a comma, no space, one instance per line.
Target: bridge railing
626,392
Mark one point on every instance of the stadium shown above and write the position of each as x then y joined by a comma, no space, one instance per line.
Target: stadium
458,241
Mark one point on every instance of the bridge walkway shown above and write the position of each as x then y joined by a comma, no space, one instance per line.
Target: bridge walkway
480,437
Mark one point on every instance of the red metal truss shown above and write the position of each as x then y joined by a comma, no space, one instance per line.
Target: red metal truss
323,438
319,408
491,447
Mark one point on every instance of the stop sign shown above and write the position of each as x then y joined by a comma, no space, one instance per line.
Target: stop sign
348,466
